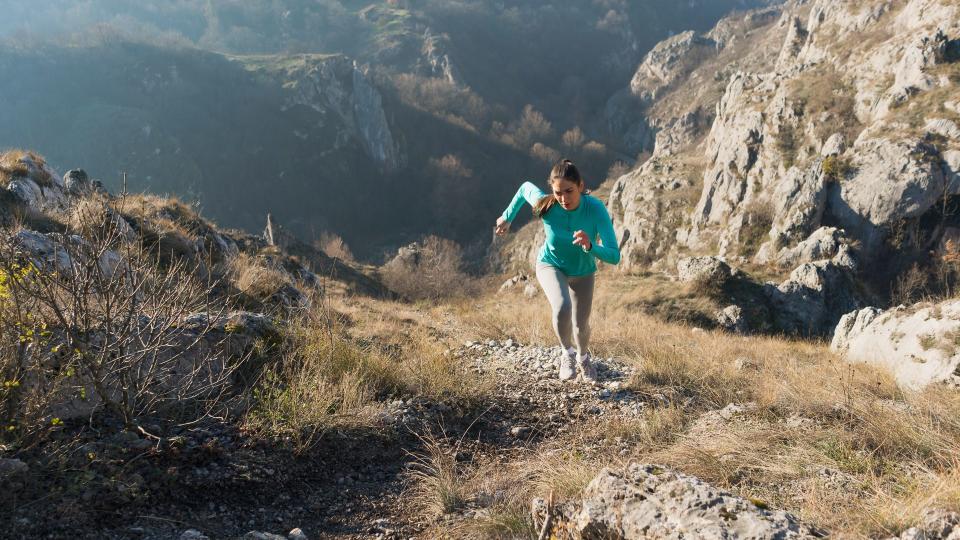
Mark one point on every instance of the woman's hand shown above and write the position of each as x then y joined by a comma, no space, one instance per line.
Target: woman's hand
581,239
502,226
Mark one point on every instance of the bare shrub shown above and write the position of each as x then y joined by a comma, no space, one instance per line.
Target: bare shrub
544,153
573,138
595,148
430,270
442,98
756,227
334,246
531,127
909,286
87,328
618,169
450,165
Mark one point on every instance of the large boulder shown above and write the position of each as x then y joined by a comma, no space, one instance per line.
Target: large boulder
919,344
824,243
891,182
703,270
34,182
815,296
648,501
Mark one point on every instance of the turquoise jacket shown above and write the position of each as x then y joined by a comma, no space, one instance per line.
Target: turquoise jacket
559,224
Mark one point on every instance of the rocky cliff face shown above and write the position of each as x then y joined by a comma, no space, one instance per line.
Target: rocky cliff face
337,86
847,122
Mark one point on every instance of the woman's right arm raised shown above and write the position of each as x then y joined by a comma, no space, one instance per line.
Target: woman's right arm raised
528,193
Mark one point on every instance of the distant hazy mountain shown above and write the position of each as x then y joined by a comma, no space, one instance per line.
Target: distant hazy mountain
378,121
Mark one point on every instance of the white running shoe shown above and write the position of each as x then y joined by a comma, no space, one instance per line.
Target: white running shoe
567,368
588,371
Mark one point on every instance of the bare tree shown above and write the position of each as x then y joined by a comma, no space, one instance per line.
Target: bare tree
95,320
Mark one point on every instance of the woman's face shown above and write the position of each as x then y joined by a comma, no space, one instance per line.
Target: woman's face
567,192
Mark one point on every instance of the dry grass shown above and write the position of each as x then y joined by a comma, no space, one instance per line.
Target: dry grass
13,166
839,445
343,359
256,277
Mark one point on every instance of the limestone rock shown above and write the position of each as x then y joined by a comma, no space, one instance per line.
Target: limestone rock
651,203
648,501
731,319
798,203
815,297
11,467
41,187
77,182
892,181
834,145
944,128
824,243
917,344
667,62
712,270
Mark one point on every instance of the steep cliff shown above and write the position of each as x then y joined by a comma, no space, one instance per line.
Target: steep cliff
846,122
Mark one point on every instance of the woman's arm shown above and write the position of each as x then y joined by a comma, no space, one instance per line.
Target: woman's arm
609,252
528,193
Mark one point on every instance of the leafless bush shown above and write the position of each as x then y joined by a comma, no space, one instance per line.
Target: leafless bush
450,166
334,246
544,153
430,270
92,323
573,138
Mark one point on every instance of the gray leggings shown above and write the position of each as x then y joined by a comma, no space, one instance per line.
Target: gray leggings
568,295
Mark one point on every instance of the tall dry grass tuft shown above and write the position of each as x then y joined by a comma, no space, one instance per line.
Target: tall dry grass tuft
439,480
256,277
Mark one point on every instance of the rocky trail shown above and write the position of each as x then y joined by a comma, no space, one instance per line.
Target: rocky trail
216,483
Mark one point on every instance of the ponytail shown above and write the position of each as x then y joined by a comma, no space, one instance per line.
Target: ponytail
563,169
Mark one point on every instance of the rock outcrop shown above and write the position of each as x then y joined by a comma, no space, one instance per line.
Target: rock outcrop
341,86
648,501
843,136
919,344
815,296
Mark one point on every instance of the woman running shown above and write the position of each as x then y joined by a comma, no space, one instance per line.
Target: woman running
565,269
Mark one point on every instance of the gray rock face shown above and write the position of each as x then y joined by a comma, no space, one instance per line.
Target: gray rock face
892,181
59,252
11,467
815,296
798,206
340,86
824,243
647,501
944,128
669,60
77,182
650,202
918,345
936,525
41,188
711,270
